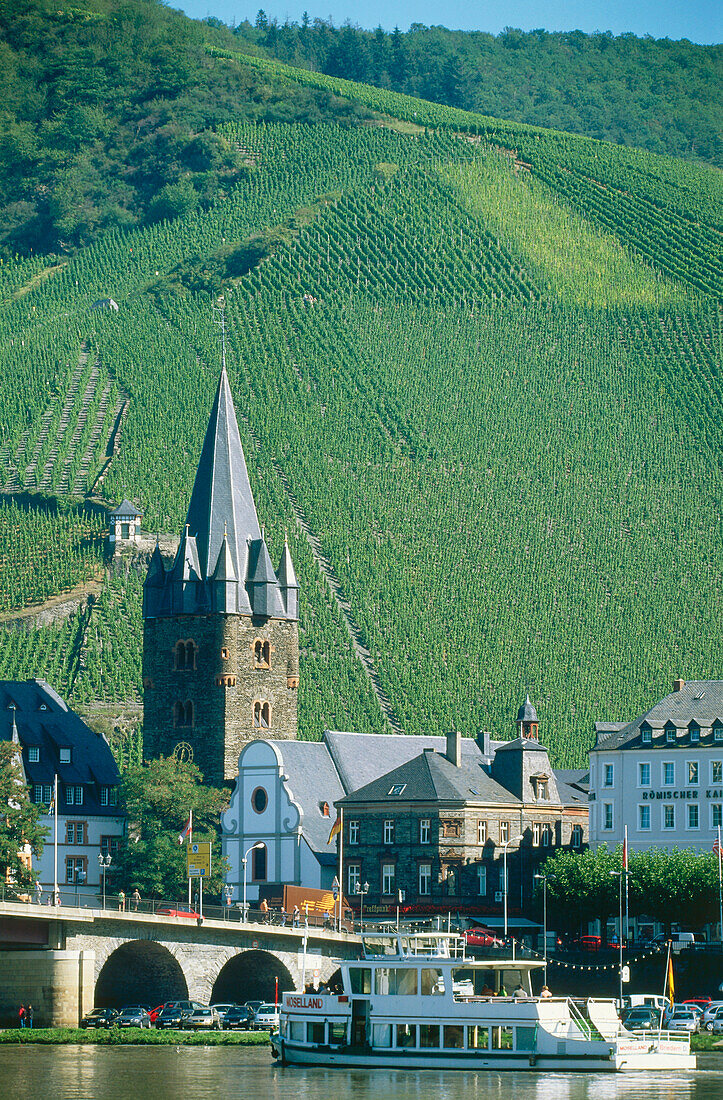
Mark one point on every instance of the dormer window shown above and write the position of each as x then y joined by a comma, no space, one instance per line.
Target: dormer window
33,754
64,756
646,735
718,731
670,734
694,732
398,789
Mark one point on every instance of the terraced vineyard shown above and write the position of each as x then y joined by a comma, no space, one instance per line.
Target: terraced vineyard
477,368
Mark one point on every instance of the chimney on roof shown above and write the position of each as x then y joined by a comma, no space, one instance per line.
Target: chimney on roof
678,685
454,748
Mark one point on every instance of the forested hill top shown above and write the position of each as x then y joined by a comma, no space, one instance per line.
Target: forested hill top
654,94
109,111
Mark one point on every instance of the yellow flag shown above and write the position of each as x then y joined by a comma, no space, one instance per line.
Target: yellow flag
335,829
671,983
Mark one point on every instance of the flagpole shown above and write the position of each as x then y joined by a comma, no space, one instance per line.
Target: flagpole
55,840
720,881
341,866
627,910
190,841
666,982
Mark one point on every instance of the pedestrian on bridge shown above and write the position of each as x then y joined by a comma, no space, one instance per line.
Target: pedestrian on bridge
296,916
136,899
38,893
121,901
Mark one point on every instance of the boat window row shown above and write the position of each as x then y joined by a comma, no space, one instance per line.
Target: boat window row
429,981
453,1037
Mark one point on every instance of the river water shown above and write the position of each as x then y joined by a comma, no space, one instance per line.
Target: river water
202,1073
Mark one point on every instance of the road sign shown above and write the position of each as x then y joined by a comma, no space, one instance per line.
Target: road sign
198,857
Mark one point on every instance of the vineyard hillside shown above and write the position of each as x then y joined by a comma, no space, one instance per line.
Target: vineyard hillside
478,375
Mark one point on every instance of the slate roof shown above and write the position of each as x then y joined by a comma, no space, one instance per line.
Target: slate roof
363,757
527,712
223,563
430,777
43,720
572,785
312,778
698,701
125,508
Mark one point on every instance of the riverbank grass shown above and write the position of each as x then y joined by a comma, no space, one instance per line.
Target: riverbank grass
133,1036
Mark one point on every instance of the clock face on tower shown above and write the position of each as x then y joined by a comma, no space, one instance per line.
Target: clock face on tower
183,752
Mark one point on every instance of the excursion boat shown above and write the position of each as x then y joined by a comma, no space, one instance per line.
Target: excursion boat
418,1002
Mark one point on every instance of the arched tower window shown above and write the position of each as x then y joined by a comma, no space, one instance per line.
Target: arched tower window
262,715
184,655
262,653
182,714
259,864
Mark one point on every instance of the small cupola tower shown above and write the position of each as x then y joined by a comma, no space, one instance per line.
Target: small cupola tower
124,526
527,722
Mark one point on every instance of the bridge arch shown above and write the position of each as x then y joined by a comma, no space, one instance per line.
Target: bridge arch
251,976
140,972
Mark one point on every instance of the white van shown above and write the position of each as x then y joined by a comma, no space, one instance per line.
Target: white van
679,941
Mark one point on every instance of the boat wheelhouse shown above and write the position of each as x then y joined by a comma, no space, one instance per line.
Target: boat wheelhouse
418,1001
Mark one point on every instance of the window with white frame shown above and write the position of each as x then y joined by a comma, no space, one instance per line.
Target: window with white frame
668,817
692,773
609,775
536,833
644,816
64,756
644,774
646,736
353,877
607,822
389,831
668,773
716,771
694,731
482,880
43,792
389,872
354,831
717,731
425,879
546,836
481,832
425,828
504,832
75,870
33,754
693,815
576,836
716,814
76,832
670,735
74,796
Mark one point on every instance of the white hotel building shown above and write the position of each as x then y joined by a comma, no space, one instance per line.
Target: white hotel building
662,774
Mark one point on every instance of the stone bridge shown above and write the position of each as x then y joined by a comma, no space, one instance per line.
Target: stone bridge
65,961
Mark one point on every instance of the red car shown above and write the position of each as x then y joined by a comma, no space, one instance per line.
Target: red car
482,937
588,943
699,1002
177,911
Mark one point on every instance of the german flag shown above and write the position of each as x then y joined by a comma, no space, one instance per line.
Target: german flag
335,829
671,983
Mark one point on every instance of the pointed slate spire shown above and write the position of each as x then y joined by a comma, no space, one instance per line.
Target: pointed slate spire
222,491
262,584
225,582
288,584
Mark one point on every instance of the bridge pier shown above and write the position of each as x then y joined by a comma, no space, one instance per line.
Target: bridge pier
59,985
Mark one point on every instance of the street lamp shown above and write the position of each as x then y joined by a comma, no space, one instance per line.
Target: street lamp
510,840
79,879
228,894
336,891
544,879
244,861
619,876
104,861
361,891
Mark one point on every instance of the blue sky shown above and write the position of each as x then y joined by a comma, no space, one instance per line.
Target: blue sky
698,20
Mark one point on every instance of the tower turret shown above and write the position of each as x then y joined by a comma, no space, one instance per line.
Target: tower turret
527,721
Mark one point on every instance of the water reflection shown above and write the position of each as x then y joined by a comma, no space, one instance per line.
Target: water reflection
198,1073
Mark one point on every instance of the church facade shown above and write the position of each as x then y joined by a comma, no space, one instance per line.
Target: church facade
220,645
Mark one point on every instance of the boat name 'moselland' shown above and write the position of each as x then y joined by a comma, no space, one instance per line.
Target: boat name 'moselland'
304,1002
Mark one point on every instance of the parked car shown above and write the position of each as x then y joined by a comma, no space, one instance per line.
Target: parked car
266,1018
697,1002
711,1014
641,1019
683,1020
716,1024
133,1016
174,1012
239,1016
198,1018
253,1005
100,1017
222,1010
588,943
482,937
178,911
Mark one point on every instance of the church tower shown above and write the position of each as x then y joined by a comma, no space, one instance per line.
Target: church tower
220,633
